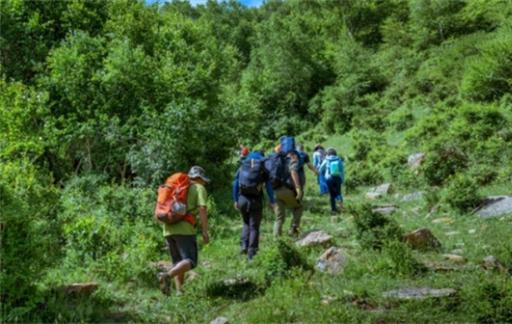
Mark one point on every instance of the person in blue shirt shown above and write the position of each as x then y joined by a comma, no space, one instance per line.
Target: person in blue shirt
333,169
250,179
318,158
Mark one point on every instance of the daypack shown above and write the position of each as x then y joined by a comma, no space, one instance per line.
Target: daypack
171,204
335,168
276,167
287,144
251,176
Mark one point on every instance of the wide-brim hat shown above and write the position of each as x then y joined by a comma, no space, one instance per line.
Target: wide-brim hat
198,172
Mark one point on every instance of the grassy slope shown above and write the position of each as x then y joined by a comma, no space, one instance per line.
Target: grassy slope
356,294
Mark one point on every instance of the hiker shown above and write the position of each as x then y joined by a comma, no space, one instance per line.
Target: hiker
304,161
283,168
318,158
248,185
332,168
181,236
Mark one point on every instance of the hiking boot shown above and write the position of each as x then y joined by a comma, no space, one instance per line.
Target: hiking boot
334,212
163,280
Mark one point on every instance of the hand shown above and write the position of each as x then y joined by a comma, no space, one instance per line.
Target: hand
206,237
236,206
300,194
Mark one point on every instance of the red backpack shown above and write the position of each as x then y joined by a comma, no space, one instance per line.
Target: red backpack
171,204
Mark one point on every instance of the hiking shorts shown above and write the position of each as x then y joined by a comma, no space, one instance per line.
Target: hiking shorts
182,247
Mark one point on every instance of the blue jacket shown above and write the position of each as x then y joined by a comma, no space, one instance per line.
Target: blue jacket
268,184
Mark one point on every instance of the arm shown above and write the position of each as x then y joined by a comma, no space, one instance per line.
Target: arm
312,168
296,179
235,191
203,215
270,192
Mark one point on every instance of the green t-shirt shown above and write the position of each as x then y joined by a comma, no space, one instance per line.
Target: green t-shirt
196,197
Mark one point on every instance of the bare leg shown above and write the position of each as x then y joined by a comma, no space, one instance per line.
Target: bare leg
178,273
179,280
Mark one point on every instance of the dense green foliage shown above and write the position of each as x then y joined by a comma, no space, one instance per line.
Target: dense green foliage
101,100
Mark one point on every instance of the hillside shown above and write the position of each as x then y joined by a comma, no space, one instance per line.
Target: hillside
101,101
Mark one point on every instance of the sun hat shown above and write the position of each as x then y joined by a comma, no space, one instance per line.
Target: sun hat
198,172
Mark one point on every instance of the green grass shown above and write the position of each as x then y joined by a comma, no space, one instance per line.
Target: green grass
298,295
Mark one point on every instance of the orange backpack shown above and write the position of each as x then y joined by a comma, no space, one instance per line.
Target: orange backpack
171,204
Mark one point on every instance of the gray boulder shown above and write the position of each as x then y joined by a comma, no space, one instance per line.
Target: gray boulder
415,160
490,262
386,209
379,191
315,238
495,206
332,261
220,320
419,293
422,239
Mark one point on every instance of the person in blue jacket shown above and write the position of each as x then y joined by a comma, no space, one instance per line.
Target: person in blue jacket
250,179
333,169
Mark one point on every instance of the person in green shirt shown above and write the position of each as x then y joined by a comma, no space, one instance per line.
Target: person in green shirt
181,236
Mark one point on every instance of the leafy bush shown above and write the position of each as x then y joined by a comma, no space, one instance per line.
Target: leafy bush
488,76
403,261
361,174
442,163
374,230
462,193
29,235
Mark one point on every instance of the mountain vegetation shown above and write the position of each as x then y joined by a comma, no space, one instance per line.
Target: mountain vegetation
101,100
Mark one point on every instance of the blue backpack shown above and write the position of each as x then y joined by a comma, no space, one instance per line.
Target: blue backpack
287,144
276,167
251,176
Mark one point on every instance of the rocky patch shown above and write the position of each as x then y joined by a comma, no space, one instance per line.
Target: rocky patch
332,261
495,206
422,239
419,293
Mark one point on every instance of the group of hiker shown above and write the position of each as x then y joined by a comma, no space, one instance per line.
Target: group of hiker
281,175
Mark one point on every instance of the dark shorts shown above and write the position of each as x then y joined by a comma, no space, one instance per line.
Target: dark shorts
182,247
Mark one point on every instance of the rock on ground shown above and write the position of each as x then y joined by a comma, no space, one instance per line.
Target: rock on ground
417,195
419,293
220,320
80,289
495,206
415,160
315,238
490,262
454,258
379,191
386,209
332,261
422,239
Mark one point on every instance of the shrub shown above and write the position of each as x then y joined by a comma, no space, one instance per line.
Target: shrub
374,230
29,236
488,76
442,163
362,174
462,193
403,261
